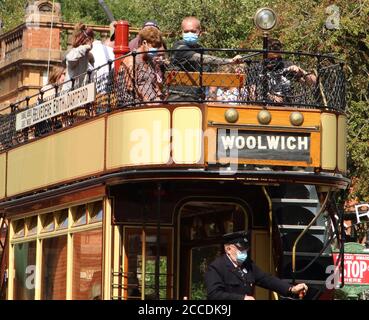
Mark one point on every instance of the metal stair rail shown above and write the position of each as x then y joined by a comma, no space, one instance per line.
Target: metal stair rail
294,209
322,208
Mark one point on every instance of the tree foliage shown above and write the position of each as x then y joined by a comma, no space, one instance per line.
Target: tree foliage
229,23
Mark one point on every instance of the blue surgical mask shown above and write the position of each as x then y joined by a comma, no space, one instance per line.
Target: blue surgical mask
152,52
190,37
241,256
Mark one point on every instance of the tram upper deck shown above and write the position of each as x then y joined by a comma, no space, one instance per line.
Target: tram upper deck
114,125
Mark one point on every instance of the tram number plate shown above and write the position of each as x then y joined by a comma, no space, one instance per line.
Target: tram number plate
234,143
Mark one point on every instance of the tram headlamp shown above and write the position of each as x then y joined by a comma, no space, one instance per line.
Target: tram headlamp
265,19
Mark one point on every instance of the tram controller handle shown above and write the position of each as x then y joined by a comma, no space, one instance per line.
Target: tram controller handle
107,10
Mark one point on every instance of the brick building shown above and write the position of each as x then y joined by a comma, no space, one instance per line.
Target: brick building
28,51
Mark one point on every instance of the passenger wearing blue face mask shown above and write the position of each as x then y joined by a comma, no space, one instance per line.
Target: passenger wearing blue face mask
187,57
233,276
145,82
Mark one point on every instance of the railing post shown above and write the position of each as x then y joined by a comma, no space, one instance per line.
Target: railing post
202,95
134,54
264,74
158,240
121,42
110,85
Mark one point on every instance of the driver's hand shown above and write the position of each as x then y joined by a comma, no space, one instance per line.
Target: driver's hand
301,287
248,297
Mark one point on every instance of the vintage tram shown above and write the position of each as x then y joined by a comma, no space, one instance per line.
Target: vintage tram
107,196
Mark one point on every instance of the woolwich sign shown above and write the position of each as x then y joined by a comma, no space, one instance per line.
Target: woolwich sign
263,145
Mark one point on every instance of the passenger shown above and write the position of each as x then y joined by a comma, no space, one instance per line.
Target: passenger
279,77
143,83
102,54
79,56
187,57
233,275
56,78
231,93
135,43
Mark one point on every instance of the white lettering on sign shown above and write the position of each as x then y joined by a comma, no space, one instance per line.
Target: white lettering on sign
356,268
360,212
271,142
56,106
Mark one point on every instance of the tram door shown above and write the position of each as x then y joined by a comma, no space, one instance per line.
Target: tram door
201,226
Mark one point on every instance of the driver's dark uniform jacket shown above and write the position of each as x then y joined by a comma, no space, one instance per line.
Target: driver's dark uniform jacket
224,281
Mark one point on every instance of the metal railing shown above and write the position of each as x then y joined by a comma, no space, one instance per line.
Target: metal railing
201,76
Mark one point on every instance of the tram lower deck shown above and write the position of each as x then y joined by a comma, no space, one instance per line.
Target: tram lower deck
154,240
170,231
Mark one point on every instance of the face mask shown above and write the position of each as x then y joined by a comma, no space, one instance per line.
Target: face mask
241,256
190,37
152,52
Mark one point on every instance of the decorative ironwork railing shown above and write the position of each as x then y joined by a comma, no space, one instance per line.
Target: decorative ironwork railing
227,76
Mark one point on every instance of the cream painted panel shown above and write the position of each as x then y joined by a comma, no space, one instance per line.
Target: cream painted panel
187,135
2,175
68,155
260,248
138,137
329,141
342,144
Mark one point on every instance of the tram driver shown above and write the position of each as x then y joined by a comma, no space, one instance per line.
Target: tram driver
233,275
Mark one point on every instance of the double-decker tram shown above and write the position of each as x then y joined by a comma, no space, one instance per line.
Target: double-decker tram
108,194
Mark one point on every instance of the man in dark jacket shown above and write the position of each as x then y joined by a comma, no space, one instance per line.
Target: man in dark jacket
233,276
188,55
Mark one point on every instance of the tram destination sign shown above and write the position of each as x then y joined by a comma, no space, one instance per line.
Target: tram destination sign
243,144
66,102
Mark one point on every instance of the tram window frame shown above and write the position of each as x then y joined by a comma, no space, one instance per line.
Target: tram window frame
140,232
82,219
68,230
45,225
31,231
30,272
19,223
59,215
94,218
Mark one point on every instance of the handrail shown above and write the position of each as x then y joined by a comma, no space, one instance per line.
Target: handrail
322,208
181,81
270,205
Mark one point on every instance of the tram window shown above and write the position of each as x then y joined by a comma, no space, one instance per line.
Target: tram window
18,227
25,267
54,268
141,268
31,225
48,223
87,265
151,249
206,220
79,215
95,211
61,219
